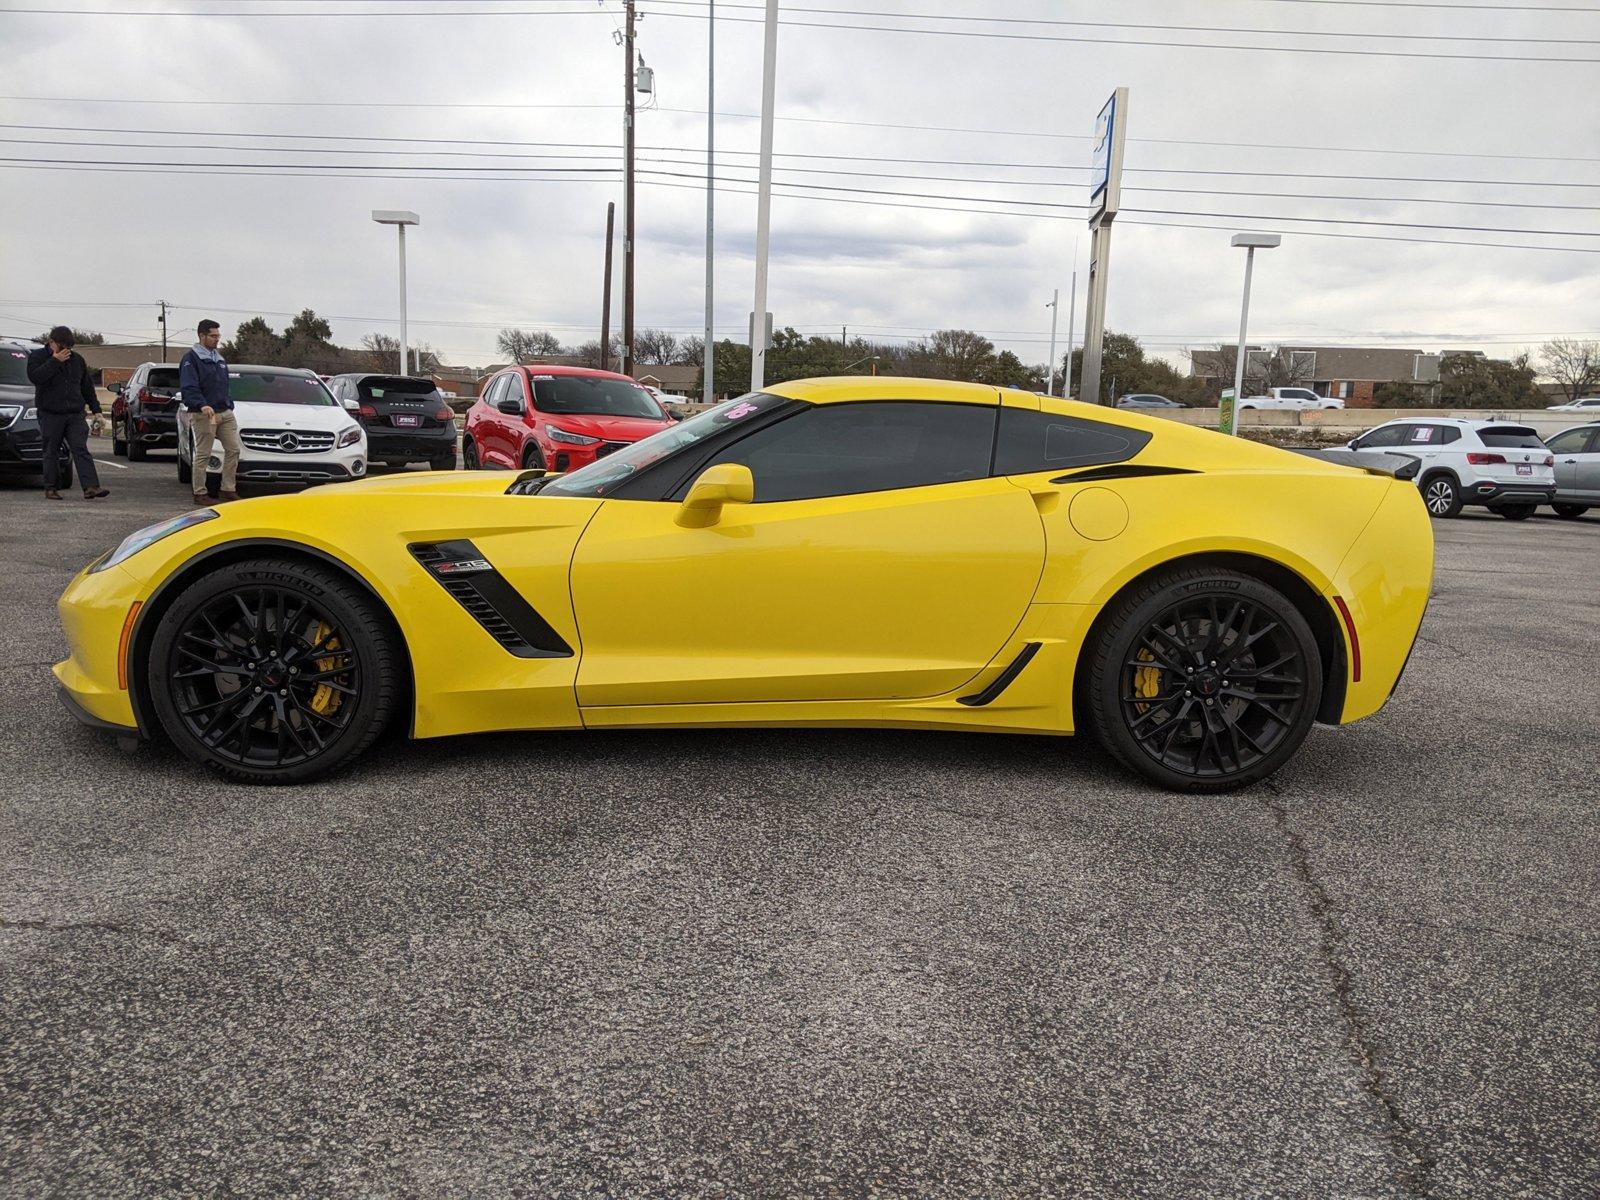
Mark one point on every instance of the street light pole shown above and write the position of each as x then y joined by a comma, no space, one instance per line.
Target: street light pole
708,391
1251,242
400,219
1072,319
627,190
1050,371
758,323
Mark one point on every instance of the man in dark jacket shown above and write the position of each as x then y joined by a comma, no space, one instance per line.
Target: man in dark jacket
203,381
61,391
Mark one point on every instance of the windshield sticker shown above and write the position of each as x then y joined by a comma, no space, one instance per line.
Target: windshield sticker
544,378
739,410
1422,434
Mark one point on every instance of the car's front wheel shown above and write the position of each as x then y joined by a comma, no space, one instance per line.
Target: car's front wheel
273,671
1441,495
1570,511
1203,680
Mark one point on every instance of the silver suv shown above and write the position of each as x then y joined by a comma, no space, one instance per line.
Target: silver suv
1505,467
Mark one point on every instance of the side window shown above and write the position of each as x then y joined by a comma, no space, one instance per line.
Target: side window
496,390
1570,442
1384,435
1448,434
1419,435
515,391
1039,441
844,449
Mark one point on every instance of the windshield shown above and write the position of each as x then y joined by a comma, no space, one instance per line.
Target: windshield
586,395
13,366
601,477
251,388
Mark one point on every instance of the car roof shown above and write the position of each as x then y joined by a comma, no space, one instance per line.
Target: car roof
1473,423
833,389
592,372
253,369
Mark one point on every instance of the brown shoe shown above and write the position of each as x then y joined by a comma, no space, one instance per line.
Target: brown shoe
227,495
202,500
95,493
52,494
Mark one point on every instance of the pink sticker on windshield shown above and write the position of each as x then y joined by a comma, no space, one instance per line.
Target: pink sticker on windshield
739,410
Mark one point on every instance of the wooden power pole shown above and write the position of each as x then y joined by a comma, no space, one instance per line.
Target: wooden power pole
627,192
605,293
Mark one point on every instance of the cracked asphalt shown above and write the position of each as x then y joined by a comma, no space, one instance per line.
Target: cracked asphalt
824,963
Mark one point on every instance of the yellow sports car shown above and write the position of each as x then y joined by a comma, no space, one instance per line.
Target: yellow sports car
886,552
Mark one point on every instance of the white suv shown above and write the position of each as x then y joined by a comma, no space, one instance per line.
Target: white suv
291,430
1505,467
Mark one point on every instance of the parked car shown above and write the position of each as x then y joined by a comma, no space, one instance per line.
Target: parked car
291,428
557,418
1293,399
1588,404
407,419
144,413
855,551
1147,400
1506,468
1577,454
21,443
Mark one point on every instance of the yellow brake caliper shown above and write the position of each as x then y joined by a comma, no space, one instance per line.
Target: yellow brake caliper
1146,680
325,700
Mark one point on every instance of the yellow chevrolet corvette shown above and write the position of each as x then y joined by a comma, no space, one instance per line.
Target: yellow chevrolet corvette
883,552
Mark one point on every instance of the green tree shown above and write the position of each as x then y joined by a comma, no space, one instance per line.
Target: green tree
1403,393
255,342
1474,381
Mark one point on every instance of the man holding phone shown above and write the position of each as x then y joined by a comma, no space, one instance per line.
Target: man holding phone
203,384
62,389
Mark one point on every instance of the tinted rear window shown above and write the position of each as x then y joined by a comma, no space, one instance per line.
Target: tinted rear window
163,377
376,387
1038,441
1511,437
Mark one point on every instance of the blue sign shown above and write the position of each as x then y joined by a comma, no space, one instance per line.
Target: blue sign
1105,127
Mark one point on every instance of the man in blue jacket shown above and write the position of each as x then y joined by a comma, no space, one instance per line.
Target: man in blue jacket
203,384
62,389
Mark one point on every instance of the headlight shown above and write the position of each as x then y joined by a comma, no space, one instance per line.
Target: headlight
31,415
350,436
8,414
150,535
558,434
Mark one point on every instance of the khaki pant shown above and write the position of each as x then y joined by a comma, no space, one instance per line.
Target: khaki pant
224,427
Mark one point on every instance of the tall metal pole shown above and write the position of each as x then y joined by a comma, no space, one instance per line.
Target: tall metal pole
1072,319
1244,318
758,324
404,343
1050,372
709,391
627,194
163,331
605,292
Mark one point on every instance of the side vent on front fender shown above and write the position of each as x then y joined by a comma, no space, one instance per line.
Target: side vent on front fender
510,620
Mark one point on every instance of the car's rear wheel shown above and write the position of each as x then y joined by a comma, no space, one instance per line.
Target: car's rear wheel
1442,496
1516,512
469,455
273,671
1203,680
119,441
1570,510
137,451
444,462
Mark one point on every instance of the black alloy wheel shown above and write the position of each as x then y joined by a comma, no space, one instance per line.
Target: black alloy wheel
274,671
1516,512
1569,511
1441,495
469,455
1205,680
533,459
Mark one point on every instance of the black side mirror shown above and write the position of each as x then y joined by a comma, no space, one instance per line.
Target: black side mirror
512,408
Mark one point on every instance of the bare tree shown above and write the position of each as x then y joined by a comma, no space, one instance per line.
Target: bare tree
654,346
1573,364
523,345
691,351
382,352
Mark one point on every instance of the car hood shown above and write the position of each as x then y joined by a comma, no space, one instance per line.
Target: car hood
622,429
292,416
16,393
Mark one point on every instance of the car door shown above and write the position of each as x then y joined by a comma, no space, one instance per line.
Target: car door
515,425
1577,455
493,440
877,559
1589,468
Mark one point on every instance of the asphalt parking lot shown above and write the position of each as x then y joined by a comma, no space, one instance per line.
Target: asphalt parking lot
736,963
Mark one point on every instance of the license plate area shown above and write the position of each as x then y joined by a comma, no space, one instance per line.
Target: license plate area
404,421
1524,468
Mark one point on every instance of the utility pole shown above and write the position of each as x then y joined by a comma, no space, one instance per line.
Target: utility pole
1111,130
758,321
708,391
1050,373
163,330
605,292
1072,317
627,191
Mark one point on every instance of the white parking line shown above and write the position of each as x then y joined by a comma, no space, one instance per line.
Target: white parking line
118,466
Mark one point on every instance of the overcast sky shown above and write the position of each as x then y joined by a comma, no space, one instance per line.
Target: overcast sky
98,249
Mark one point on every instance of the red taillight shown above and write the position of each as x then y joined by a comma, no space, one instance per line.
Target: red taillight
366,410
144,396
446,413
1486,460
1549,460
1355,642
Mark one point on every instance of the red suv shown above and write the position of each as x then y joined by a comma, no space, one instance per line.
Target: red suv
557,418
